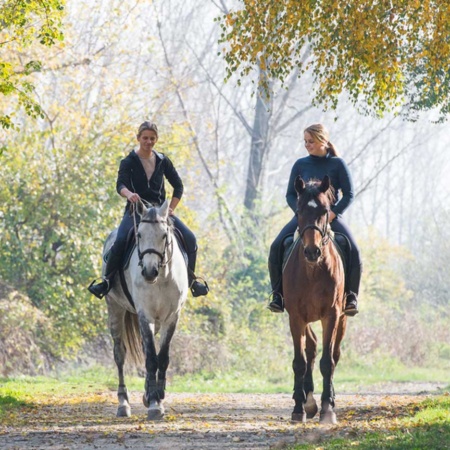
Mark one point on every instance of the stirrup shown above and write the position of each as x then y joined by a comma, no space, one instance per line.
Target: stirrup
275,306
351,311
92,286
351,306
205,285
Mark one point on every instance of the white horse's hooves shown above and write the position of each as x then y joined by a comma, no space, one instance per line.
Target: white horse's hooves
155,414
298,417
155,411
328,418
123,411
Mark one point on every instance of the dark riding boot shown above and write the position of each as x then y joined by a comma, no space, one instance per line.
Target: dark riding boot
351,305
197,288
277,303
103,287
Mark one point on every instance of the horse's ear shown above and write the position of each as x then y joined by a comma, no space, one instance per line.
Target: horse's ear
164,209
325,185
299,185
140,208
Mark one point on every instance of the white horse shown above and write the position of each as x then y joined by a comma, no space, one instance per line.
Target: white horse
157,280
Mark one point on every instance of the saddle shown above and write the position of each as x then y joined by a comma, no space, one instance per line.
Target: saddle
340,241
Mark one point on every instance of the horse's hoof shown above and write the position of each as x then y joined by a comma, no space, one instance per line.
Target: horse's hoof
145,402
328,418
123,411
155,411
298,417
155,414
310,406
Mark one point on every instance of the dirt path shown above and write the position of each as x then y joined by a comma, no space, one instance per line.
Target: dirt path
200,421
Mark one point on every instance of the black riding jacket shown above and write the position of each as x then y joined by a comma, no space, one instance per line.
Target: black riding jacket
132,176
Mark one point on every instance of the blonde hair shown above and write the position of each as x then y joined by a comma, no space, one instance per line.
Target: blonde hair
321,134
147,126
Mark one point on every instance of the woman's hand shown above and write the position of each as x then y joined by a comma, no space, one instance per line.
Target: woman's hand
331,216
132,197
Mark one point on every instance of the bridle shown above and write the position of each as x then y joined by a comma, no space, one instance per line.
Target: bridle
323,231
163,258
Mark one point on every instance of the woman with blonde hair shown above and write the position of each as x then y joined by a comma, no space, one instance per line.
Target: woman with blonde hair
322,159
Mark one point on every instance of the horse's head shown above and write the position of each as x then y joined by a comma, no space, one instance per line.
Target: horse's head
313,207
152,239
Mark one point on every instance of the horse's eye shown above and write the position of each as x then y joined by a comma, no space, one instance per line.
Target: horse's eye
139,235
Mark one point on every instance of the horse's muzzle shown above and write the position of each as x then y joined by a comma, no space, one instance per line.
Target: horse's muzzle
312,254
150,275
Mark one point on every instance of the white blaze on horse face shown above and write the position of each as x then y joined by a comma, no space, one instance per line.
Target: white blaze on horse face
312,203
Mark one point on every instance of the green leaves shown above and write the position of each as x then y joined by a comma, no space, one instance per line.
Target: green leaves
23,25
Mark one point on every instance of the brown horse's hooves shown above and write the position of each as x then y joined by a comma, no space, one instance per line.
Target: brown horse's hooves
311,407
298,417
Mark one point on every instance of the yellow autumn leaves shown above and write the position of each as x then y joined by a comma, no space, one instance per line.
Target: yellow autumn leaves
384,52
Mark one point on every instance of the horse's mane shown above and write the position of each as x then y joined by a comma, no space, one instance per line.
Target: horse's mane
312,192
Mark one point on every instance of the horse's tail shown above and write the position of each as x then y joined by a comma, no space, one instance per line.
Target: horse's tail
133,340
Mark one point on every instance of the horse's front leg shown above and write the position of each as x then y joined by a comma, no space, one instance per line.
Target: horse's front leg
311,353
298,329
167,332
327,366
151,399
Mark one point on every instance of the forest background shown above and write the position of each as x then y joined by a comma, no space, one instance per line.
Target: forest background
73,117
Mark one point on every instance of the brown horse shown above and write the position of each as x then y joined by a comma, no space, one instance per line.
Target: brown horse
313,281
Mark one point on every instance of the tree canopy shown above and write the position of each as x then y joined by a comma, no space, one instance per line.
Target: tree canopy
22,24
385,54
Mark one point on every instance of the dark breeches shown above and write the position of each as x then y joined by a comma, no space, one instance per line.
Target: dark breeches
339,226
354,274
127,224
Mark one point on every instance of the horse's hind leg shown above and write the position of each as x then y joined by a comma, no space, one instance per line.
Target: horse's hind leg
152,398
311,353
116,325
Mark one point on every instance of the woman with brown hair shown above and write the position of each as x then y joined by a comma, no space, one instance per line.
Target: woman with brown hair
141,177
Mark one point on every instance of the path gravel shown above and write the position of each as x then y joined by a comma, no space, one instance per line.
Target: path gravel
202,421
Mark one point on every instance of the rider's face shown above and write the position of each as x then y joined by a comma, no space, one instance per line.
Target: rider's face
314,147
147,140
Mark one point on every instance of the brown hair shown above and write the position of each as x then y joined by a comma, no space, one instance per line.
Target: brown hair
320,133
147,126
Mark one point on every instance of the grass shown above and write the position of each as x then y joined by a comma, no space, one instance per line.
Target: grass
348,379
428,427
357,378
